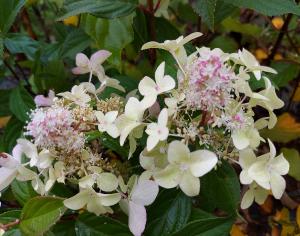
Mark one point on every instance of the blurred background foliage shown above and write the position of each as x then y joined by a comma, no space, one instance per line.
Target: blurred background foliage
40,38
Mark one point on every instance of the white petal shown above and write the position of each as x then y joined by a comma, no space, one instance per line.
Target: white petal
160,71
137,218
144,192
134,109
152,141
260,195
113,130
86,182
168,177
8,161
147,86
107,182
246,158
7,176
280,165
109,199
165,84
245,178
191,37
178,152
240,140
247,199
28,148
189,184
202,161
100,56
277,185
272,149
163,117
259,172
111,116
100,116
25,174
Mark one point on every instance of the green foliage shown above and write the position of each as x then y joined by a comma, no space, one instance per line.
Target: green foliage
39,214
88,224
269,8
12,132
104,33
169,213
103,9
293,157
23,191
20,103
220,189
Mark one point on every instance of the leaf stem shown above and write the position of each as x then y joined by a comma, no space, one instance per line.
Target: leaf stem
9,225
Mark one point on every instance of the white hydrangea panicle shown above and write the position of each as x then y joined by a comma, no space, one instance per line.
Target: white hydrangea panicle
78,95
254,193
107,123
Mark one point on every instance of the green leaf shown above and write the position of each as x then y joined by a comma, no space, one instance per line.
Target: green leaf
221,189
39,214
75,41
8,12
113,35
223,10
169,213
212,226
293,157
102,8
92,225
227,44
12,132
231,24
9,216
23,191
13,232
4,103
20,43
66,228
20,103
165,30
269,8
206,9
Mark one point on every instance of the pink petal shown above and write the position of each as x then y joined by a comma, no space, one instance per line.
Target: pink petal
82,60
42,101
80,70
137,218
100,56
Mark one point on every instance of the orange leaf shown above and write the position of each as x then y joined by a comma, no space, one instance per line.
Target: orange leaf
236,231
296,97
298,216
72,20
260,54
4,121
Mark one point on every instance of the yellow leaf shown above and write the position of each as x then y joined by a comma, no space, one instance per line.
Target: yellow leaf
72,20
287,230
277,22
267,206
298,216
278,57
236,231
260,54
286,129
296,97
282,215
4,121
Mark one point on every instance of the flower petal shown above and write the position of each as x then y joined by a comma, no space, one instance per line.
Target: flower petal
100,56
247,199
78,201
137,218
178,152
107,182
168,177
147,86
144,192
280,165
202,161
7,176
82,60
189,184
277,185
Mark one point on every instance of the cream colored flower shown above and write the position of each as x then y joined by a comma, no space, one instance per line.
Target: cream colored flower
77,95
157,131
185,168
150,89
107,123
254,193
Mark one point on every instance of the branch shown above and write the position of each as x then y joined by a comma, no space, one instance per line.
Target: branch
9,225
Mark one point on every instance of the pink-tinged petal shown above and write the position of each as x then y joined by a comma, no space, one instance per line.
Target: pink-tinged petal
144,192
82,60
80,70
17,153
7,161
100,56
7,176
137,218
42,101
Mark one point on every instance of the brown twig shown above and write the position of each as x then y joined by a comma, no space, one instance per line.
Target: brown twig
11,70
9,225
288,202
150,12
279,38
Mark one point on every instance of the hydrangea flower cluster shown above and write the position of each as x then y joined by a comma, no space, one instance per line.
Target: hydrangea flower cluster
191,129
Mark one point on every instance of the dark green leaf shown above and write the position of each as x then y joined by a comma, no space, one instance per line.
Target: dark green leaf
227,44
20,103
113,35
270,8
231,24
12,132
92,225
223,10
165,30
206,9
212,226
9,216
23,191
8,12
169,213
4,103
102,8
13,232
66,228
39,214
20,43
221,189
